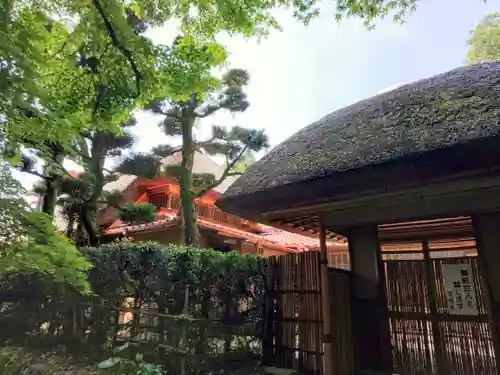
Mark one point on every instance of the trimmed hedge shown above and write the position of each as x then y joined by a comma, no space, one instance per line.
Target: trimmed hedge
198,308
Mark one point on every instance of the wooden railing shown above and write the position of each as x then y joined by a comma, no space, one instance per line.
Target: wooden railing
203,210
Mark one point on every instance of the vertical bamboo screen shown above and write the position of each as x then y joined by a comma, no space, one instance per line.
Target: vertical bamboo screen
293,327
339,259
465,344
295,291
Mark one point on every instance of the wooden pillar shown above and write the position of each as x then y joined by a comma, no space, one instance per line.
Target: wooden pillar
204,241
487,234
370,310
328,351
239,245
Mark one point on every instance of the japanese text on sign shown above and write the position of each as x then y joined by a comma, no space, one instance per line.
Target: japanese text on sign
459,289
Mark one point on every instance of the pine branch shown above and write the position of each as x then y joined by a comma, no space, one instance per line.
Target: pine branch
116,42
227,173
202,144
218,133
165,150
209,110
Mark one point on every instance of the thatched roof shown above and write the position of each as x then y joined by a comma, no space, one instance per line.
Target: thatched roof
446,110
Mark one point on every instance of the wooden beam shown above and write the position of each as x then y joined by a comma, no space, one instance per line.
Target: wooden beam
414,208
433,190
446,228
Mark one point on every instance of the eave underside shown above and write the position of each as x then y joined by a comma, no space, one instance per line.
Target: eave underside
445,232
464,163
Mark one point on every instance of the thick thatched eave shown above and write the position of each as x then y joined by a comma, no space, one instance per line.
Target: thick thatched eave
443,112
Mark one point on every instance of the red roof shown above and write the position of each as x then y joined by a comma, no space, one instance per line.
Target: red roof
169,218
289,241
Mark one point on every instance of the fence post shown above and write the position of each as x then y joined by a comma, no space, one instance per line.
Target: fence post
430,276
325,305
268,311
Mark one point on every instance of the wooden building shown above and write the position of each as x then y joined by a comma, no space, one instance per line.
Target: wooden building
411,178
218,230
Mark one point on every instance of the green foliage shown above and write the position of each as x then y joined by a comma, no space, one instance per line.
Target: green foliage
20,360
71,66
164,265
72,73
246,161
196,302
484,43
80,196
370,10
236,143
137,213
142,165
121,365
55,86
41,249
30,242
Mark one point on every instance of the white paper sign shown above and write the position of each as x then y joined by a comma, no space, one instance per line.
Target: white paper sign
460,290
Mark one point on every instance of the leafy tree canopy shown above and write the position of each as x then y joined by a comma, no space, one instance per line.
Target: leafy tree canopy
485,40
81,63
29,242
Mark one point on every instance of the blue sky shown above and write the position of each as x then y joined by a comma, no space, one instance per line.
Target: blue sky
303,73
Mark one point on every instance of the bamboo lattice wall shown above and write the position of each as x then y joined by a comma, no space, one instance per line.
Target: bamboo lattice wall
293,326
426,339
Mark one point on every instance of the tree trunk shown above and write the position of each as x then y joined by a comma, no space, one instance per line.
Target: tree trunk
191,235
49,198
88,225
70,229
79,235
95,166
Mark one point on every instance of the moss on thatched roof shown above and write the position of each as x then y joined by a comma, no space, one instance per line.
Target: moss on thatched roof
442,111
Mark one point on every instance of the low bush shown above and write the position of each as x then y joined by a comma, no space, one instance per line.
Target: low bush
185,308
21,361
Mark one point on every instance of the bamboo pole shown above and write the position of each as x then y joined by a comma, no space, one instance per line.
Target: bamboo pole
430,278
328,350
183,345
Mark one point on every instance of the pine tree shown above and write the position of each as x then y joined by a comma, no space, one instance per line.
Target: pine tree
81,196
179,119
